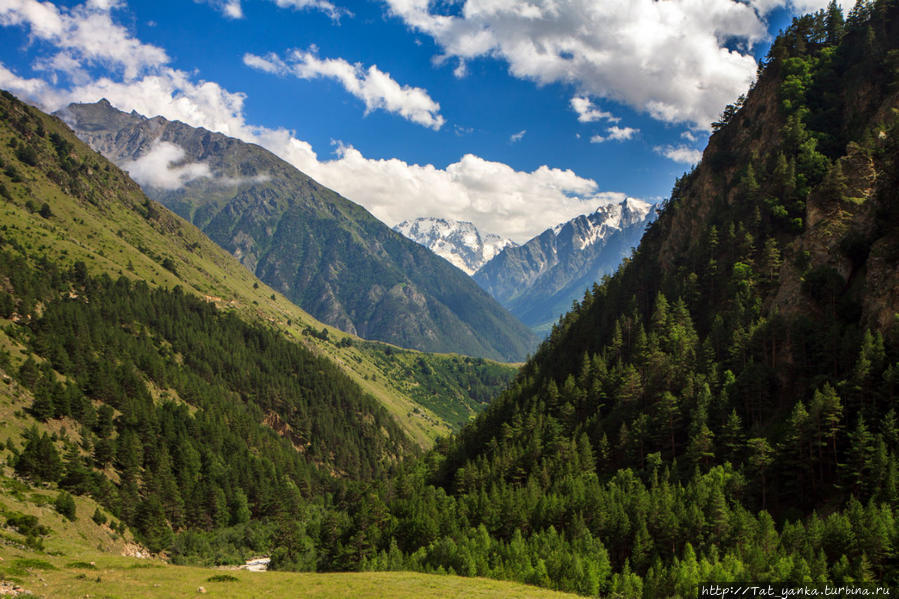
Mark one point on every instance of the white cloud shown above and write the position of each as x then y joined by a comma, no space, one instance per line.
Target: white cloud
377,89
682,154
680,61
84,35
27,88
587,112
163,167
615,133
233,9
517,137
493,195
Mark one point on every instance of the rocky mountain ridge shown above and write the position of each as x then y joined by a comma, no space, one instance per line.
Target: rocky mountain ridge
459,242
538,280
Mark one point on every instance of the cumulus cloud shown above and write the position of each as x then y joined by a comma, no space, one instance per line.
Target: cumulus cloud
163,167
233,9
83,35
682,154
517,137
33,89
681,61
615,133
377,89
493,195
587,112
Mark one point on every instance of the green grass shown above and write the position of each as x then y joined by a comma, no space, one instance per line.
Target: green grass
115,579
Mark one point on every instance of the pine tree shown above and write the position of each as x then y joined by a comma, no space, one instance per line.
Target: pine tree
759,459
834,22
860,451
39,459
733,438
701,449
65,505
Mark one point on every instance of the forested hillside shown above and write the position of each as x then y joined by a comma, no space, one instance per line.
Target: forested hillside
143,366
722,408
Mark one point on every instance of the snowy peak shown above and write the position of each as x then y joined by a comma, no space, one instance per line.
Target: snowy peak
588,229
537,281
459,242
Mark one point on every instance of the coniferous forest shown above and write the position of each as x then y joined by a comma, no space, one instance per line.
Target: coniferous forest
722,408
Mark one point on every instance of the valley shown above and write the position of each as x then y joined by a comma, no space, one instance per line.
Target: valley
714,400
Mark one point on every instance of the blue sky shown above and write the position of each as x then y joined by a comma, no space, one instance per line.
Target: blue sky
514,115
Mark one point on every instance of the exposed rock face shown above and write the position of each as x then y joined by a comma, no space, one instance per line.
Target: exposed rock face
459,242
538,280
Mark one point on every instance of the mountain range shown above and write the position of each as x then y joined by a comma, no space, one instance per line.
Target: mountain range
459,242
720,409
325,253
538,280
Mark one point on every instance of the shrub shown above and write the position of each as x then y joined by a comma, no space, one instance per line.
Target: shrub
99,517
65,505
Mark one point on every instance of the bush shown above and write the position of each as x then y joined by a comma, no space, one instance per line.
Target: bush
99,517
26,155
65,505
27,525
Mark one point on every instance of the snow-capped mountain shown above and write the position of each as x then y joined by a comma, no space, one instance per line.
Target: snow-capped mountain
538,280
459,242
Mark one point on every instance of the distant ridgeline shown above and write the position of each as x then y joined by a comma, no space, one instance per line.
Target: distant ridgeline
539,280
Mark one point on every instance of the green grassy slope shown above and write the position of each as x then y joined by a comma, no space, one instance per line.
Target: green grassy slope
100,217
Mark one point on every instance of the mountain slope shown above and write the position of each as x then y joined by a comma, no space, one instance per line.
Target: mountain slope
538,280
459,242
134,236
142,365
326,254
174,410
724,406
